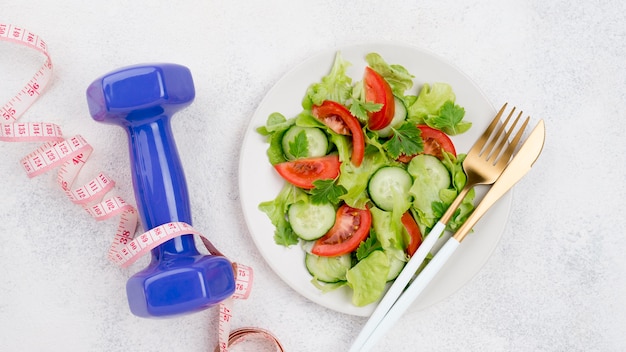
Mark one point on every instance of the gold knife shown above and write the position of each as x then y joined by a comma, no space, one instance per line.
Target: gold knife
515,170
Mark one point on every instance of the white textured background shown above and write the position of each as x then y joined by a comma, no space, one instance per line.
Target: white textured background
555,283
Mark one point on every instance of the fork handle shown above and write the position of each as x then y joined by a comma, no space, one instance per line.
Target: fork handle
411,293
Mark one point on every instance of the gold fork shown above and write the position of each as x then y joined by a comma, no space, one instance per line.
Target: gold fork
483,164
485,161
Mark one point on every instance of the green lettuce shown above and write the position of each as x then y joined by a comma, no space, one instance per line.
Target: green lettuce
274,130
275,122
355,179
388,231
399,79
435,107
276,210
368,278
306,119
429,101
431,199
336,86
459,179
425,190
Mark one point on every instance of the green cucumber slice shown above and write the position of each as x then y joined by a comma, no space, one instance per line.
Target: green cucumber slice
311,221
387,183
316,142
399,116
328,269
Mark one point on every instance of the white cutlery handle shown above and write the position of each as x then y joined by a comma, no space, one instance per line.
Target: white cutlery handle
410,294
398,286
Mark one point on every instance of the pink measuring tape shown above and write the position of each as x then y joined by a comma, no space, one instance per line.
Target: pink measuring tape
70,154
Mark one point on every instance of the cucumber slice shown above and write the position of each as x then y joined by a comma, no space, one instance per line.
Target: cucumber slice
395,267
430,170
397,261
317,142
431,177
387,183
398,118
328,269
311,221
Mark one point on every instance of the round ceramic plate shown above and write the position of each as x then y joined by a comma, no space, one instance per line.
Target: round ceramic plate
258,182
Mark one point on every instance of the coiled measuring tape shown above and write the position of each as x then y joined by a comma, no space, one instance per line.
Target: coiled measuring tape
69,155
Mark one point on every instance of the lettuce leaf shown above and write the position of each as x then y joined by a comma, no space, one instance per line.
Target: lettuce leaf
426,189
398,77
355,179
429,101
368,278
435,107
336,86
276,210
388,232
275,122
459,179
274,130
455,166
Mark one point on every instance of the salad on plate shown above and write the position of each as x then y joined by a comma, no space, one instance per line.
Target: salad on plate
369,168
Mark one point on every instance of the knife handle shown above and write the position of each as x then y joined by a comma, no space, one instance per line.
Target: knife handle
411,293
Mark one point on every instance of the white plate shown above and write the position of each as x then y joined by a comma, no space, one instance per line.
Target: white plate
259,182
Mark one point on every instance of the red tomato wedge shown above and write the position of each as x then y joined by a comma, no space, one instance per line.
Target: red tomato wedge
303,172
351,227
414,233
378,91
435,142
339,118
330,114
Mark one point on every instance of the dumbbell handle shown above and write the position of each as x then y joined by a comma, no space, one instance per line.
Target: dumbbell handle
159,182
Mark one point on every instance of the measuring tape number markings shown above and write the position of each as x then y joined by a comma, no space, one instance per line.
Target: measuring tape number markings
70,154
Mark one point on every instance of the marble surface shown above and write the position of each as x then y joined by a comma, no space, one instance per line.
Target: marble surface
556,281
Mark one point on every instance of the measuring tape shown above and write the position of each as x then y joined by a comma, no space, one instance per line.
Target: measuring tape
70,154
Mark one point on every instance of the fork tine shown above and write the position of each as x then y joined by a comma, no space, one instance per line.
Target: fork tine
480,143
498,142
506,155
496,138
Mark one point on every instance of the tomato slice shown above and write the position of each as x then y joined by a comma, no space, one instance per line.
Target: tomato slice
329,113
351,227
303,172
435,142
339,118
378,91
414,233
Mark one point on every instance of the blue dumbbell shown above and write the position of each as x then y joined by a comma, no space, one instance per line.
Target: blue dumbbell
142,99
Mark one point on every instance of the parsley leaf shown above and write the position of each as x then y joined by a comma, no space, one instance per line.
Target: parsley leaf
450,119
299,147
326,191
368,246
406,140
360,108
